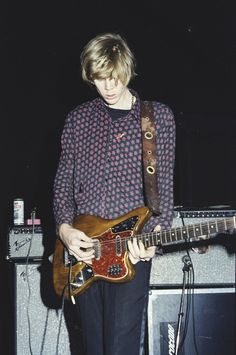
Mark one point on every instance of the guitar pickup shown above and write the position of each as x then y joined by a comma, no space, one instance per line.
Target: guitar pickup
97,249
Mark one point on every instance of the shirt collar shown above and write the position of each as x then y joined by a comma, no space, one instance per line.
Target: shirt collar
134,112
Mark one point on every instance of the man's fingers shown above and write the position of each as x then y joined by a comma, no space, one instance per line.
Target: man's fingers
132,250
157,228
138,250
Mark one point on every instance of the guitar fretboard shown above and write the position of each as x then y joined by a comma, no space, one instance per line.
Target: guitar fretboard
188,232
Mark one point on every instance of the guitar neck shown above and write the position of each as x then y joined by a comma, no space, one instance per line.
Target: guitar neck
186,233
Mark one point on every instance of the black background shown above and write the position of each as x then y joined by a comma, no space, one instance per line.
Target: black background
186,55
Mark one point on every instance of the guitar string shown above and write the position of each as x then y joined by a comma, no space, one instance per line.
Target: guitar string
189,228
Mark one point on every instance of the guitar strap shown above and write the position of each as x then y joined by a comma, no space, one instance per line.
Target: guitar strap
149,151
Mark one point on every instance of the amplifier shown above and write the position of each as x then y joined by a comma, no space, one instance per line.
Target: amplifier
24,243
214,267
211,325
37,327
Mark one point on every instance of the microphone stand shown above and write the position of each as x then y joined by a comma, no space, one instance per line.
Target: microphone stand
186,268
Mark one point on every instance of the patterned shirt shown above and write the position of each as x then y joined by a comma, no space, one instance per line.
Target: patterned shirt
100,168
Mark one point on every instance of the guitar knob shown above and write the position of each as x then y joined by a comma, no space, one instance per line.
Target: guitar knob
114,270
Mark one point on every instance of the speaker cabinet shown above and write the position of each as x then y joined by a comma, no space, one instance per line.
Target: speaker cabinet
211,324
215,267
39,329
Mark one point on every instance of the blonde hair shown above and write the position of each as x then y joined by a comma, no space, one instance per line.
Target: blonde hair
107,56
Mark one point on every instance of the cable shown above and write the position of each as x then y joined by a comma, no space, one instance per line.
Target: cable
186,270
27,280
188,303
44,332
187,312
68,284
190,298
193,321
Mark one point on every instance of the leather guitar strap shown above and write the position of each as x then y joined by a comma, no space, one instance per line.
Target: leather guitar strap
149,147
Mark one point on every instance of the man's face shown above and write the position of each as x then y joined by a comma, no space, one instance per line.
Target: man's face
111,90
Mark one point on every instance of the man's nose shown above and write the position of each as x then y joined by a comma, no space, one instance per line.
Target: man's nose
109,83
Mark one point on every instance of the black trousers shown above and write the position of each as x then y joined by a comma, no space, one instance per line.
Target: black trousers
113,316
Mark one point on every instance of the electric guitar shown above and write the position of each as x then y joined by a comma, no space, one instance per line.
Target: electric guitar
111,262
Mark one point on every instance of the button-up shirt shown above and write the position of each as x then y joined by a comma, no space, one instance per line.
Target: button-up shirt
100,168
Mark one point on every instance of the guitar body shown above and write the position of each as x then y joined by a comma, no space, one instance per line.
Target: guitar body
111,262
110,237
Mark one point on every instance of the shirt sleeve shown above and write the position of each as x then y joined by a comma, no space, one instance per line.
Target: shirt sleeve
165,173
63,203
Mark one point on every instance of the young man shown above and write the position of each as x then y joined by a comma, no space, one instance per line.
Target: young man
100,173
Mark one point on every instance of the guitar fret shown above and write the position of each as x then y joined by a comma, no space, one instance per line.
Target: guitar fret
145,240
168,237
201,226
164,237
184,233
205,229
225,223
158,238
179,233
198,231
155,238
229,224
187,230
208,225
176,235
213,227
194,232
173,236
191,231
152,239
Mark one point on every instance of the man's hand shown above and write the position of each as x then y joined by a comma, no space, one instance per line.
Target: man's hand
137,251
77,242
